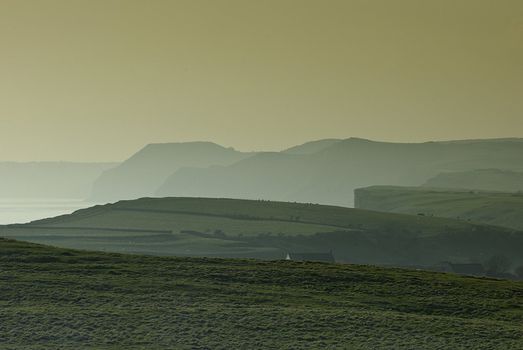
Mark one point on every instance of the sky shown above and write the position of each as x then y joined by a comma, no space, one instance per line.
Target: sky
96,80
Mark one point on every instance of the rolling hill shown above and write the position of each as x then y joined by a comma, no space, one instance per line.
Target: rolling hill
481,179
145,171
328,172
58,298
493,208
268,230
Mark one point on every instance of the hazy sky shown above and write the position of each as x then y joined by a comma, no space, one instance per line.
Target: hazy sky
98,79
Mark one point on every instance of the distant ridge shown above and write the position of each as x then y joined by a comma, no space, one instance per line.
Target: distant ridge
146,170
480,179
328,171
501,139
311,147
322,171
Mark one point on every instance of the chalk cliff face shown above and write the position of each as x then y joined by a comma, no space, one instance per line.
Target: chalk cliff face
49,179
142,174
330,174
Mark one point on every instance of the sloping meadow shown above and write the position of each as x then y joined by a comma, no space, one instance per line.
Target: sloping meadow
268,230
57,298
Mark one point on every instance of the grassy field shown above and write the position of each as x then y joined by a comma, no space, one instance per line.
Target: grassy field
52,298
268,230
493,208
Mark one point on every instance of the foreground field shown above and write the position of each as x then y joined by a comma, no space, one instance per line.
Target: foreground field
54,298
268,230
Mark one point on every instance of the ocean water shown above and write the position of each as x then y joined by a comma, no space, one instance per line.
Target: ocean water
22,210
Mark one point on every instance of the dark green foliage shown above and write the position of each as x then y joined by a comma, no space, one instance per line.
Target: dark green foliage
55,298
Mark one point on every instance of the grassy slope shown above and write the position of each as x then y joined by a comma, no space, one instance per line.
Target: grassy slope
56,298
262,229
494,208
252,211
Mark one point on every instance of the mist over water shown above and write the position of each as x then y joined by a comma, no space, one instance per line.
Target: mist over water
23,210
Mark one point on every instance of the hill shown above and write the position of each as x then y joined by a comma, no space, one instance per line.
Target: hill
330,175
311,146
49,179
145,171
481,179
68,299
268,230
493,208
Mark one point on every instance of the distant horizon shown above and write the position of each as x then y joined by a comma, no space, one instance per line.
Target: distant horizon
251,150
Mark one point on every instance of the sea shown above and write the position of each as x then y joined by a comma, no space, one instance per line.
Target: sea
23,210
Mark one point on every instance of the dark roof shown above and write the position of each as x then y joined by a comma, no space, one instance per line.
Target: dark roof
326,257
468,269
